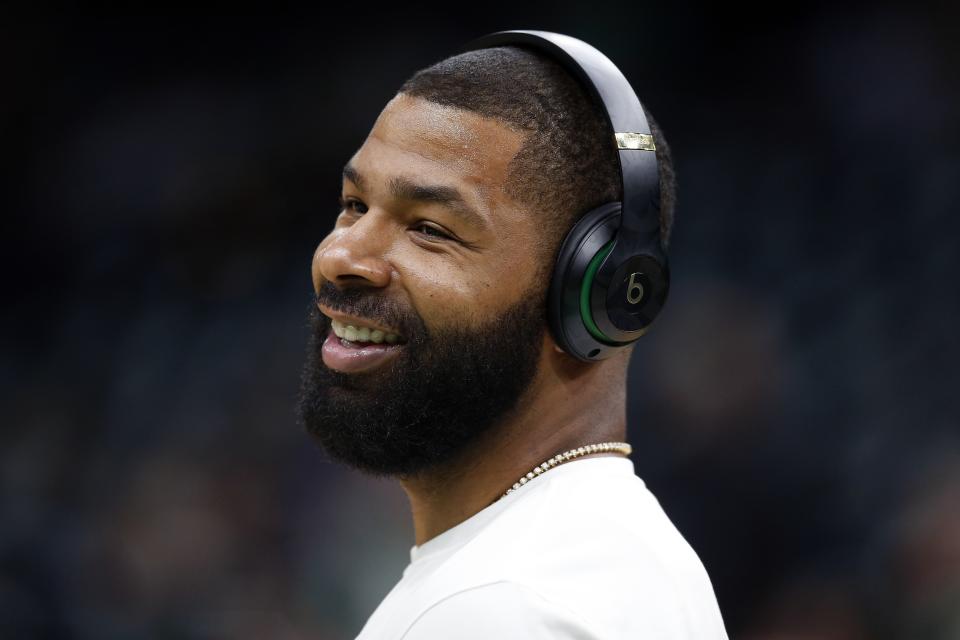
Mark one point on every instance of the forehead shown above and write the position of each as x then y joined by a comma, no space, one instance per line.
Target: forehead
417,138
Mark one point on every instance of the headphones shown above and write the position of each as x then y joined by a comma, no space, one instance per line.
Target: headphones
611,277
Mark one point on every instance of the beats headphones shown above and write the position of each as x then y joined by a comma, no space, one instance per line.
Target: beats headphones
611,277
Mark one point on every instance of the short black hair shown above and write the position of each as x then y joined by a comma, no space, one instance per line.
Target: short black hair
568,164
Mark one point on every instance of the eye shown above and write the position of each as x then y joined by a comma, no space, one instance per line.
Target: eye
431,232
350,204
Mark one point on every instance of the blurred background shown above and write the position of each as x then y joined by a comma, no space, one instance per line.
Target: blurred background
166,179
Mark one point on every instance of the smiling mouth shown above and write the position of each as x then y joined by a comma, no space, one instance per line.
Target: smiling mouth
360,335
354,348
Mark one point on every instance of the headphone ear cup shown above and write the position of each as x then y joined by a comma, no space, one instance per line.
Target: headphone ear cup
571,285
626,304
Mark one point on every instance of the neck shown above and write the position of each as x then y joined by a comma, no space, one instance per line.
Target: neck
569,404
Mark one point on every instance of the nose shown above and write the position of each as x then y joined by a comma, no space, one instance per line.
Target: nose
353,256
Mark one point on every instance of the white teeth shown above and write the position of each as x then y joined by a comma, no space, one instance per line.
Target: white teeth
362,334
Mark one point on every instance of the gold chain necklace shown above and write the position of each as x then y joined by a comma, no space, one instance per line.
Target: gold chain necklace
604,447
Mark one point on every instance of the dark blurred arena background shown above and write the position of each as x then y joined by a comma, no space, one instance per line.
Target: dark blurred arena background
167,179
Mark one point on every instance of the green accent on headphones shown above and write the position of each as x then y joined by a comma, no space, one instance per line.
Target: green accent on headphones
585,288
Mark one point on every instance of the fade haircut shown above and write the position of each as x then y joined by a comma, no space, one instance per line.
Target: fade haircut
568,163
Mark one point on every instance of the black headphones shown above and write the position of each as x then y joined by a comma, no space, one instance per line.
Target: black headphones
611,276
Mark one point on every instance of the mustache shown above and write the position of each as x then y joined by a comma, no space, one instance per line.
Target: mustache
364,303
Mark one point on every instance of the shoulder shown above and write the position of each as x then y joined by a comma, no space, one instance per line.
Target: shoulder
585,553
502,609
592,543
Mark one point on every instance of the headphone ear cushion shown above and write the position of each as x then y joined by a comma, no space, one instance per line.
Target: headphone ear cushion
584,246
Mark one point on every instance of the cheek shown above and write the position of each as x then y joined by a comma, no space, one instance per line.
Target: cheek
473,308
450,295
457,295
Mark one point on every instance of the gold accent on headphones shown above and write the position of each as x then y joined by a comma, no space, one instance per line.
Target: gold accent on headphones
637,141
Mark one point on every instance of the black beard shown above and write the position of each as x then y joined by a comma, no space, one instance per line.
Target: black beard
442,391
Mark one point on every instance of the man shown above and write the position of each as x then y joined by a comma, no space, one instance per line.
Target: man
431,361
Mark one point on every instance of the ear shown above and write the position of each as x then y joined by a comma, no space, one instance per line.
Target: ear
551,343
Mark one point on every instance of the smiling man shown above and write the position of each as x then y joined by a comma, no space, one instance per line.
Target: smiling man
432,361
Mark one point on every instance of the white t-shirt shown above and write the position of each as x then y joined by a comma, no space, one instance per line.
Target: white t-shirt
584,551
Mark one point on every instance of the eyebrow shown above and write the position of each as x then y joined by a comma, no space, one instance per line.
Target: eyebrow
405,189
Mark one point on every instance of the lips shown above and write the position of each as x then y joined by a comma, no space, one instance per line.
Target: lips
361,334
347,320
352,356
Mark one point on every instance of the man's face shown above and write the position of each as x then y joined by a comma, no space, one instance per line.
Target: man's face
430,278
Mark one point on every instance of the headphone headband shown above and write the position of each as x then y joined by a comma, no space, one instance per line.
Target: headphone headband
639,231
611,276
